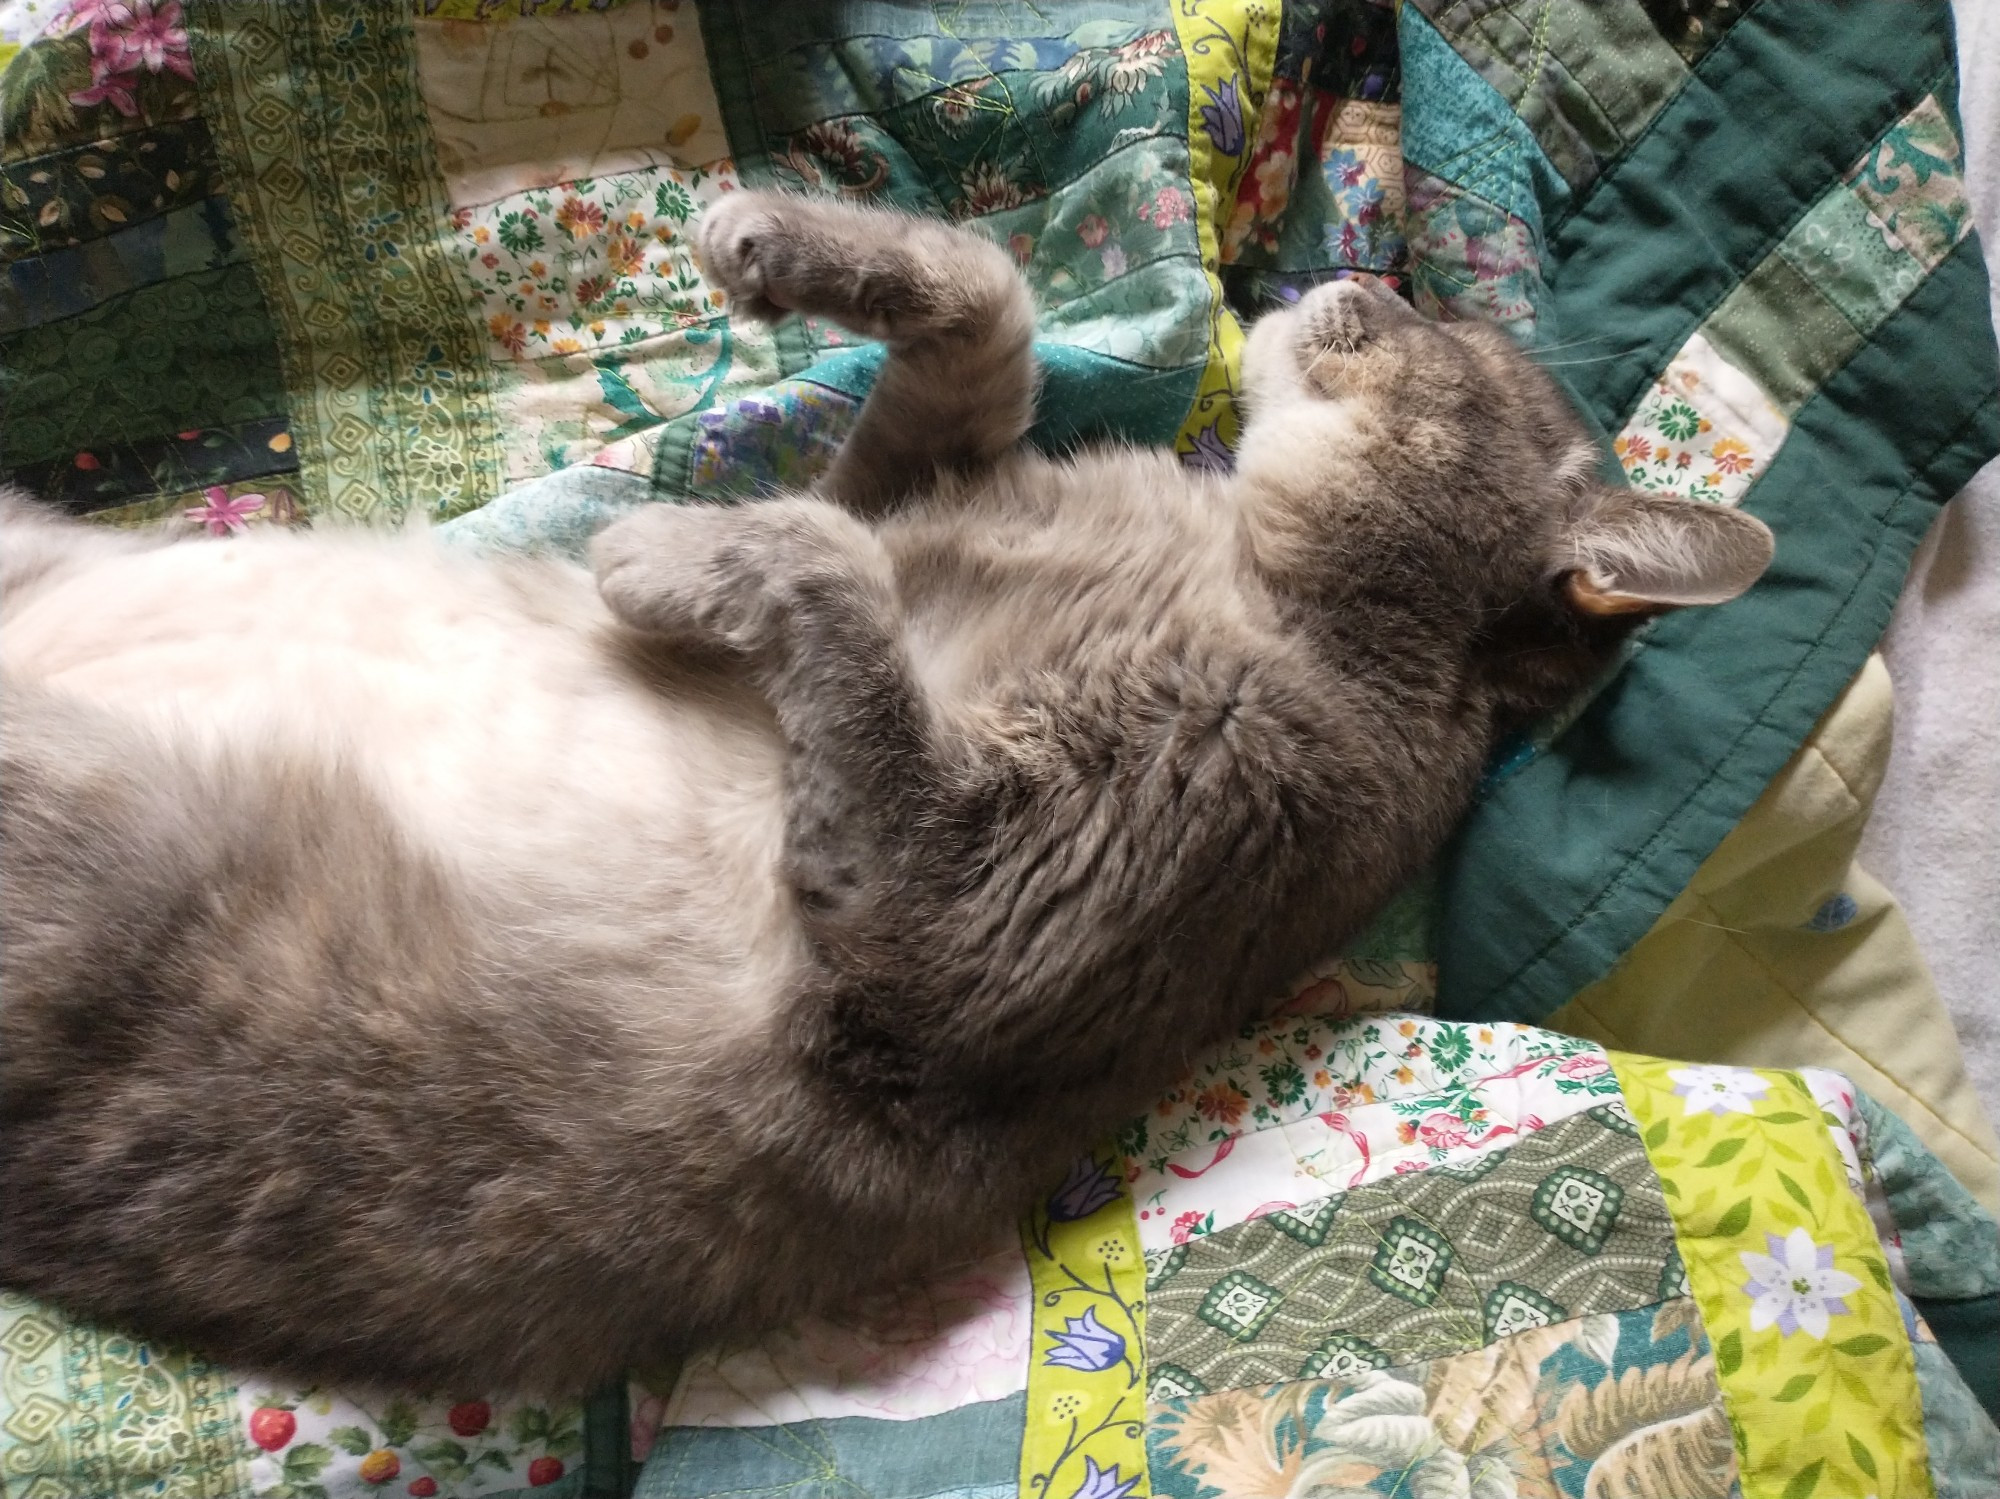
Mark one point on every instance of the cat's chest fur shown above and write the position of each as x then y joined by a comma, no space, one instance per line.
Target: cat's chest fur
1068,589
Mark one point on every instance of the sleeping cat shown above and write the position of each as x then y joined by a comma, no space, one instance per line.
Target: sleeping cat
468,973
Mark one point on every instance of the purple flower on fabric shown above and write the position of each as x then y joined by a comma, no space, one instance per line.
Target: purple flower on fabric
1210,452
1103,1483
1222,117
1795,1287
1086,1345
1086,1189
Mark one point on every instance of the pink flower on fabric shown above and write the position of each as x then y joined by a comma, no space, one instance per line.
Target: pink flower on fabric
1169,206
1185,1225
1795,1287
154,38
97,13
646,1418
222,514
1442,1131
115,89
1092,230
1584,1064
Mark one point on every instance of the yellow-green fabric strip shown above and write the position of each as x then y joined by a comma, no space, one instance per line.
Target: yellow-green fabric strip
1086,1421
1230,46
1810,1350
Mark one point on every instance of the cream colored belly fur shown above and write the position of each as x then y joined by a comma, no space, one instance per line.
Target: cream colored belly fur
485,706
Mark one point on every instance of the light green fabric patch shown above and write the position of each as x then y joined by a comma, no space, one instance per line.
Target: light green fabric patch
1568,1223
1844,255
1783,331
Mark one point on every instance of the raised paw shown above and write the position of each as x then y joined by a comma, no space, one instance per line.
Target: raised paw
881,273
734,235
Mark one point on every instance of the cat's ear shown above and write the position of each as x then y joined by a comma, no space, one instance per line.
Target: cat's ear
1634,553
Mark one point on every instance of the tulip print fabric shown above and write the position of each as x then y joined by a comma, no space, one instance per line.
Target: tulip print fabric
269,264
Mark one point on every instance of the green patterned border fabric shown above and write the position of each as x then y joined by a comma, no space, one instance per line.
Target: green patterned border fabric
321,134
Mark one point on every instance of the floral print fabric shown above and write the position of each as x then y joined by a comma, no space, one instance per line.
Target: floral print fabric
1136,164
1618,1403
1793,1286
1292,1113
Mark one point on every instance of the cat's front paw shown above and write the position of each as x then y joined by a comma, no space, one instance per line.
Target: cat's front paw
733,233
729,577
881,273
676,571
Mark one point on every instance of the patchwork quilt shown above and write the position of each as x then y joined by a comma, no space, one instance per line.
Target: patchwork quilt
370,260
1380,1255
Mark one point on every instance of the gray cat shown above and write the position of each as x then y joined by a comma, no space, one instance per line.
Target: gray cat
473,974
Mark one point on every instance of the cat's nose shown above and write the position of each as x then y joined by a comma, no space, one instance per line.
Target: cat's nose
1371,284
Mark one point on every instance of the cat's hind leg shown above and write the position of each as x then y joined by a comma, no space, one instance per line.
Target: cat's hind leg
958,387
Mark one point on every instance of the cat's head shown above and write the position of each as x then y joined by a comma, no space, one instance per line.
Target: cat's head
1387,458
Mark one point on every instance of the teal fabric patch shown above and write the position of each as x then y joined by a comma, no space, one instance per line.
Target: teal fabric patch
1455,126
1085,396
973,1452
1964,1443
1951,1243
553,515
786,436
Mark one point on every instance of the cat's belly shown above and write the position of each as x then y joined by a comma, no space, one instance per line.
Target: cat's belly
580,801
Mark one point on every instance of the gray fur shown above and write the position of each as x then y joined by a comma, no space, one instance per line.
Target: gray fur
1083,760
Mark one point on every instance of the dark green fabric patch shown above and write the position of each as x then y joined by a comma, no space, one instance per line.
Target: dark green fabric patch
1570,860
1771,119
81,193
1969,1333
157,360
181,354
608,1469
